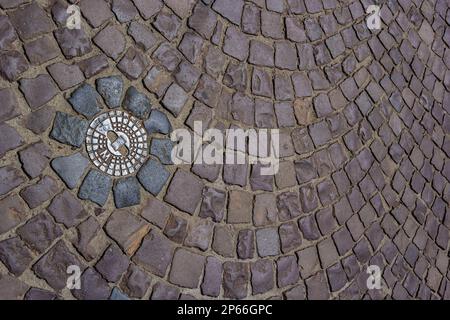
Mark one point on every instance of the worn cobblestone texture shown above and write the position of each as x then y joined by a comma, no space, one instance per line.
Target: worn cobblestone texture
364,175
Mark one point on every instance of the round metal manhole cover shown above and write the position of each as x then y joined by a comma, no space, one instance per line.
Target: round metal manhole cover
117,143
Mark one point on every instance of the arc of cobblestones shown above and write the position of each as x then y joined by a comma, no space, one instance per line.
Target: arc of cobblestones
364,174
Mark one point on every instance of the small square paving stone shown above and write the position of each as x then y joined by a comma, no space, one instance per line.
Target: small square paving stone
287,271
176,228
95,187
251,19
153,176
30,21
187,268
70,168
265,210
124,10
135,282
162,149
191,46
317,287
7,34
180,7
268,242
167,56
236,276
240,207
203,20
162,291
96,12
156,212
230,9
127,230
112,264
39,232
13,212
53,265
285,55
69,129
132,64
73,42
10,178
185,191
199,234
147,9
263,276
142,35
111,89
155,253
208,91
36,194
126,192
10,108
111,41
212,278
38,90
157,80
41,49
136,102
236,43
168,24
15,255
35,158
65,75
158,123
93,286
85,100
94,65
213,204
187,75
175,99
67,209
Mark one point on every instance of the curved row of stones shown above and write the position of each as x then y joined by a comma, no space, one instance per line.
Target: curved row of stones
363,180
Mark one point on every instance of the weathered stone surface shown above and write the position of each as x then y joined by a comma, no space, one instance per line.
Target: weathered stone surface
39,232
111,41
93,286
11,288
135,282
13,212
175,99
38,193
12,65
245,244
7,34
187,268
236,276
53,265
127,230
15,255
155,253
85,100
70,168
162,149
156,212
213,204
153,176
132,64
95,187
38,91
10,139
112,264
10,178
67,209
30,21
267,241
185,191
239,207
96,12
262,276
94,65
69,129
39,294
136,102
265,210
35,158
199,234
10,108
73,42
157,122
38,121
126,192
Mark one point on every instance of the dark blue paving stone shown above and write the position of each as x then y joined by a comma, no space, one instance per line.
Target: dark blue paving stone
158,123
127,192
85,100
153,176
137,103
111,89
70,168
162,148
95,187
69,129
116,294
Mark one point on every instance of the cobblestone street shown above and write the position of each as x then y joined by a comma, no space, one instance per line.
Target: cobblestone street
364,121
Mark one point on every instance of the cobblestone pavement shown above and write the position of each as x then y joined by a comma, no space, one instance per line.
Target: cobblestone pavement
364,178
